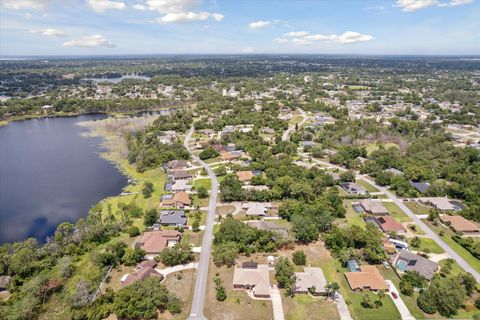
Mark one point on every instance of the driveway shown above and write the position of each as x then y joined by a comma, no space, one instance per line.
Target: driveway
165,272
277,305
401,306
342,308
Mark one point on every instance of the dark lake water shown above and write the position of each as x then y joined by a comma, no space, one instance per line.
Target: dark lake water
50,173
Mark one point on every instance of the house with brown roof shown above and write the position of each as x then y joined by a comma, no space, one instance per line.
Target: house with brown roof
460,224
177,164
181,175
179,200
153,242
143,270
310,280
388,224
374,207
254,278
245,176
439,203
228,156
368,278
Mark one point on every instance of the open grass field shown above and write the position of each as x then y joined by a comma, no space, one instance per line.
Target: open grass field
202,183
303,306
371,147
238,304
395,212
367,186
427,244
182,284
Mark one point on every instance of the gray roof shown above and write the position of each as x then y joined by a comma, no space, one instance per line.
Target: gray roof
418,263
4,281
394,171
311,277
420,186
173,217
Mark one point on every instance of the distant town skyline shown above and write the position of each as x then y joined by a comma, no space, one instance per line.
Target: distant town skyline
116,27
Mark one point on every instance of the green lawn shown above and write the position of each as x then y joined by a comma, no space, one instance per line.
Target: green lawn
395,212
302,306
202,182
351,217
367,186
416,208
375,146
427,243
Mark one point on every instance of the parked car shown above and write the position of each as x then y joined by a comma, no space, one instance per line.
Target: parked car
394,295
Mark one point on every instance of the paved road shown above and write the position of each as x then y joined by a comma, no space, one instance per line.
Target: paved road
429,233
401,306
199,295
287,132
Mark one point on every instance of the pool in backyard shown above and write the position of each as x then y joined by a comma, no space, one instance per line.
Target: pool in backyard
401,265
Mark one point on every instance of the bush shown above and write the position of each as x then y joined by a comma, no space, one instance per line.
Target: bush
133,232
202,192
299,258
133,256
179,254
208,153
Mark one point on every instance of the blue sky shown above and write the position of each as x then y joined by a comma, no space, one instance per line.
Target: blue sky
85,27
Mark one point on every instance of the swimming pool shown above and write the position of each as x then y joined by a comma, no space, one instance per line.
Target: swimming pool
401,265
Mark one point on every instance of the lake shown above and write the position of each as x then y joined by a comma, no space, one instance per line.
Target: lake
50,173
117,80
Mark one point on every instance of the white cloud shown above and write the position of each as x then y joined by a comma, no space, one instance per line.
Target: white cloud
27,15
140,7
345,38
26,4
104,5
248,50
49,32
296,33
96,40
280,40
414,5
176,11
259,24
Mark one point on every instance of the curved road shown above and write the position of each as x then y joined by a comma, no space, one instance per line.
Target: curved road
199,295
429,232
287,132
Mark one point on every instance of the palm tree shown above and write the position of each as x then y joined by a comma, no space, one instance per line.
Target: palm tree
332,288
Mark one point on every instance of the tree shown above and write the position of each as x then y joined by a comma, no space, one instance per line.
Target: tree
225,253
304,228
415,242
142,299
299,258
180,253
285,275
208,153
133,231
202,192
151,217
195,225
221,171
347,176
133,256
367,301
444,294
332,288
147,189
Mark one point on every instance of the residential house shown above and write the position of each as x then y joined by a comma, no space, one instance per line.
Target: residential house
407,261
181,175
269,226
393,171
353,188
368,278
177,165
387,224
420,186
374,207
256,208
460,224
255,278
180,185
440,203
311,280
245,176
179,200
175,218
143,270
153,242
